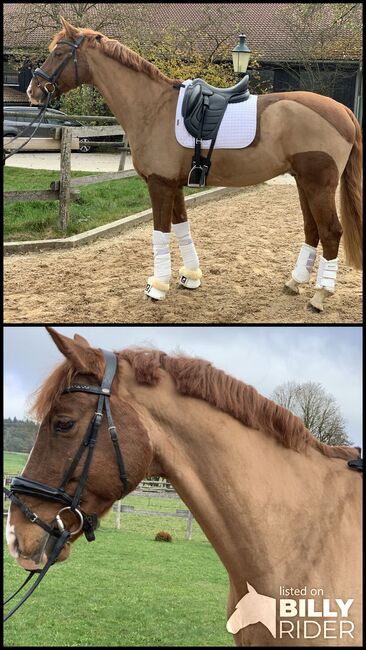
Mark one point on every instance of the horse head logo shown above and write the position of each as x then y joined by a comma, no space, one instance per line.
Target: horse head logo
253,608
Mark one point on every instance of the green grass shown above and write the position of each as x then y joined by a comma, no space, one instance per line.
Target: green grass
125,589
99,204
14,462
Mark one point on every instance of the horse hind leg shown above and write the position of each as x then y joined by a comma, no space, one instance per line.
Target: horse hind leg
307,255
318,176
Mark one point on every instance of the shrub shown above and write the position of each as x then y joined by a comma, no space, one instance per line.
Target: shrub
163,536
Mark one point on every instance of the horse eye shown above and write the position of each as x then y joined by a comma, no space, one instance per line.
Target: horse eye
64,425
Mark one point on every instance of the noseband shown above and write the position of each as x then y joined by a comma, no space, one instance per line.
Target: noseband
38,72
85,522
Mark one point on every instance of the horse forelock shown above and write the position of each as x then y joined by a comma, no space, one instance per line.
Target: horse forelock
199,378
48,395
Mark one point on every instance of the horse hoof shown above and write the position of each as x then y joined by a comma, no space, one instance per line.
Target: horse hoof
184,286
154,294
150,299
315,309
291,287
188,283
317,301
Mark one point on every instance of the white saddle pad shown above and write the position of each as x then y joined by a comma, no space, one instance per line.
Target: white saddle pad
237,129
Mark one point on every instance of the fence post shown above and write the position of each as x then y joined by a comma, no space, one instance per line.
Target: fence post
65,176
122,160
118,515
189,525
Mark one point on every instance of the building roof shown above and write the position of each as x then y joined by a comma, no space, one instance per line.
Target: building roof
13,96
267,33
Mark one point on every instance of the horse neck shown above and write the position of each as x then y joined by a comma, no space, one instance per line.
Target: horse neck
133,97
251,496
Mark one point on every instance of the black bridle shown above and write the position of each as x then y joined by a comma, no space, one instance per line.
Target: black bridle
59,536
51,80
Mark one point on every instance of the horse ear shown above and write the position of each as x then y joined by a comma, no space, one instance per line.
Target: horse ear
70,30
80,339
251,589
78,351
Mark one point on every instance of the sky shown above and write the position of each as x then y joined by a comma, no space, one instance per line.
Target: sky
262,356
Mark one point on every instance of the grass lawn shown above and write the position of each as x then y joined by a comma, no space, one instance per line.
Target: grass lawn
125,589
14,462
99,204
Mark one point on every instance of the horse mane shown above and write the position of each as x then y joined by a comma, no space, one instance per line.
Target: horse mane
118,52
199,378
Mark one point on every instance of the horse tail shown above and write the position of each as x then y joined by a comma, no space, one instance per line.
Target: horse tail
351,200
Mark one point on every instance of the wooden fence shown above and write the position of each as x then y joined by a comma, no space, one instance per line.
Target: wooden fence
65,190
146,487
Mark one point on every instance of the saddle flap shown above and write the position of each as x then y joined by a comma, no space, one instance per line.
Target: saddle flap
202,111
191,99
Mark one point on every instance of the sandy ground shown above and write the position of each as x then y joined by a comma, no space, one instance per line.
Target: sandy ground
247,244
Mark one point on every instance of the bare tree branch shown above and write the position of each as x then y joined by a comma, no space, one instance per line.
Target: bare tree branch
317,408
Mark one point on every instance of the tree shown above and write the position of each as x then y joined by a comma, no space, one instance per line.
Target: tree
317,408
201,50
320,32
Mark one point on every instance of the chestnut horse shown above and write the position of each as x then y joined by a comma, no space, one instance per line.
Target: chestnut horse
280,508
314,138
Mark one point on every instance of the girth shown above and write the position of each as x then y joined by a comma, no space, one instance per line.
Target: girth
203,109
30,487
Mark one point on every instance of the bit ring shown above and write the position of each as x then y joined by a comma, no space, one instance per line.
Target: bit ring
61,525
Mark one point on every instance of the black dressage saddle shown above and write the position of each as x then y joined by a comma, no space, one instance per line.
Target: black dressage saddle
203,108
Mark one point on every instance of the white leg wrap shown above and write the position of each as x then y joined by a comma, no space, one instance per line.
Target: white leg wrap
162,267
304,264
327,274
190,273
187,248
158,284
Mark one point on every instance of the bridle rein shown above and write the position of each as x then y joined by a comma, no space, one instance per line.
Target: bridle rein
51,80
59,536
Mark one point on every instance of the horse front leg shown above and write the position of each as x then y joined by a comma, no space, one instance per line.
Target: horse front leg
162,192
190,273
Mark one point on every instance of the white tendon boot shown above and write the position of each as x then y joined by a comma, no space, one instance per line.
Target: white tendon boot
325,282
158,284
303,268
190,274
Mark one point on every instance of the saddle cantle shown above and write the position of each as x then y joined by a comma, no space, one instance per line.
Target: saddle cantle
356,463
203,108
